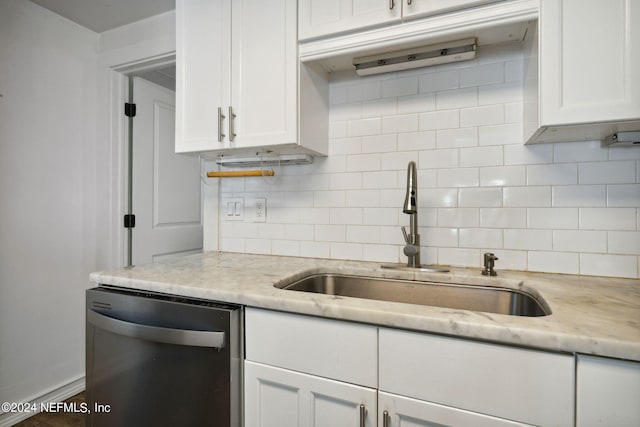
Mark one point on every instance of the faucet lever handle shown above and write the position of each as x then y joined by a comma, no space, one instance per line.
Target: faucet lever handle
404,233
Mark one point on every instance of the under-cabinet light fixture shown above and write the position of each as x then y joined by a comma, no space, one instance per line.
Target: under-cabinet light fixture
423,56
261,161
623,139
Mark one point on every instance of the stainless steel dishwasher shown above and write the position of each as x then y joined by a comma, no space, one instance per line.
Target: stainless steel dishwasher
160,360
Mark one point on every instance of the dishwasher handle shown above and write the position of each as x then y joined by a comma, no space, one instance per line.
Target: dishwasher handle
215,339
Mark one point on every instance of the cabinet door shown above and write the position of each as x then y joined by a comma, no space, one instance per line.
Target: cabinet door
418,8
202,72
607,392
264,73
326,17
401,411
590,61
276,397
529,386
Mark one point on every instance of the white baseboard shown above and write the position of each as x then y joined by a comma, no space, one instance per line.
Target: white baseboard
56,395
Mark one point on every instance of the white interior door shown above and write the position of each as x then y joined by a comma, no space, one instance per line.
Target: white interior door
166,186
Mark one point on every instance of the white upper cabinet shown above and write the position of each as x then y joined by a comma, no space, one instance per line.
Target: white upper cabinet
584,71
417,8
239,86
321,18
202,73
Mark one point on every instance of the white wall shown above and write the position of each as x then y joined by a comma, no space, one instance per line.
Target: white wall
49,127
567,207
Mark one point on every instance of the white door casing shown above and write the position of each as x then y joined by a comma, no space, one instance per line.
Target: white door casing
166,186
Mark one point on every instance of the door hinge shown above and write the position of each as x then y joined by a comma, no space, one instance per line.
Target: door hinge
129,109
129,221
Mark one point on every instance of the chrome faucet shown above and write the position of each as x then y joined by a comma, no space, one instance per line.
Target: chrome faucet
410,207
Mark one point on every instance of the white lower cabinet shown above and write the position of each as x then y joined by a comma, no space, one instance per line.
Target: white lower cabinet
276,397
310,371
400,411
607,392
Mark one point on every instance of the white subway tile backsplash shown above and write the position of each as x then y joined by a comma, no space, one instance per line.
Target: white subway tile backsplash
481,156
416,103
582,151
458,217
439,81
363,162
340,146
608,219
480,238
500,93
363,198
565,207
500,134
579,195
622,172
627,195
445,119
400,123
482,116
502,176
444,158
363,91
379,143
535,240
557,174
353,251
399,87
527,196
351,216
624,242
329,233
480,197
609,265
482,75
379,107
503,217
379,180
553,218
439,197
453,138
417,141
459,177
580,241
363,234
364,127
447,237
528,154
457,98
458,256
554,262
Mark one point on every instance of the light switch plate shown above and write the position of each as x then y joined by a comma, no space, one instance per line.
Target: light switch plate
233,209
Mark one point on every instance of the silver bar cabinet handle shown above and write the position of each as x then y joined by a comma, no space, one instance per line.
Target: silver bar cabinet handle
385,414
232,116
391,4
363,414
221,117
184,337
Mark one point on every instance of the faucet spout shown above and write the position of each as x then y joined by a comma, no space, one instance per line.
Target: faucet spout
410,207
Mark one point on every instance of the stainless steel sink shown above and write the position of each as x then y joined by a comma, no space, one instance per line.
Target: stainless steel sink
449,295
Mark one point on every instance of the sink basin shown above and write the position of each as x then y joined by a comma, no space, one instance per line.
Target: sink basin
449,295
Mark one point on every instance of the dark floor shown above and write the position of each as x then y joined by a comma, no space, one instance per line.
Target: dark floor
59,419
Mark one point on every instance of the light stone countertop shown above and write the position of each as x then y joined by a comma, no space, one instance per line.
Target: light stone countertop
590,315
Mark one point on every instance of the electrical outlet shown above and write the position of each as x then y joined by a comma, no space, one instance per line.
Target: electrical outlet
260,210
